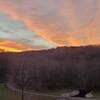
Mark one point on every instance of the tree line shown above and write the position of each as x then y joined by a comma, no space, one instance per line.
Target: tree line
59,68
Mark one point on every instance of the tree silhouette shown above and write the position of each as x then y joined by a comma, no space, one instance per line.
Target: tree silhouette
20,76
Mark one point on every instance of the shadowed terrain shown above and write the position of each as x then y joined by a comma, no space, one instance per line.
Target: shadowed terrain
59,68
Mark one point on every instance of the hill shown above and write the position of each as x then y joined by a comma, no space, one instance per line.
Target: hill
62,67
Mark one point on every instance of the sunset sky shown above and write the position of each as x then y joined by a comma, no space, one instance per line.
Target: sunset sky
43,24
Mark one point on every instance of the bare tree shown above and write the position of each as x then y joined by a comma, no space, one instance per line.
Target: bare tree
20,76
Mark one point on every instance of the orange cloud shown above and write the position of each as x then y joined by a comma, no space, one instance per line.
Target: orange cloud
7,45
68,25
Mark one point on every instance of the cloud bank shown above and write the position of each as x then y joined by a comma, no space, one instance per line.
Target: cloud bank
7,45
62,22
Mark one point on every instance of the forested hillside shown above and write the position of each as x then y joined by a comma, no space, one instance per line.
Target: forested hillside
63,67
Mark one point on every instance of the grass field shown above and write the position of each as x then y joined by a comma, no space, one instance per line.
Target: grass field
6,94
96,94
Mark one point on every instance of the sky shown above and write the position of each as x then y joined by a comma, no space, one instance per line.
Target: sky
43,24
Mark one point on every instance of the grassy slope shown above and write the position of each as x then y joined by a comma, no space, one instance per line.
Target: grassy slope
6,94
96,94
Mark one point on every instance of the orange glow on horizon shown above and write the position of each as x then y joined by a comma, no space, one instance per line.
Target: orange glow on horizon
9,49
11,46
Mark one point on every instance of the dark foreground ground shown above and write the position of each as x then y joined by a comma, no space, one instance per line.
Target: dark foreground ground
6,94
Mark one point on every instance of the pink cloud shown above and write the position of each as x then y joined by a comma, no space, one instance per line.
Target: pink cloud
58,21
